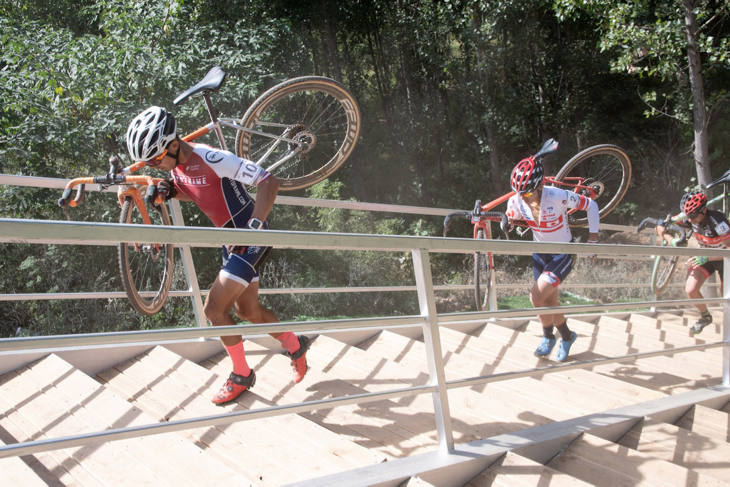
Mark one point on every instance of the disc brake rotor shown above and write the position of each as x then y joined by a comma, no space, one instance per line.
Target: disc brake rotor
305,138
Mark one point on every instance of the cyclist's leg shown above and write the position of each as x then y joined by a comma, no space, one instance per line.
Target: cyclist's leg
245,265
222,296
696,277
554,273
543,294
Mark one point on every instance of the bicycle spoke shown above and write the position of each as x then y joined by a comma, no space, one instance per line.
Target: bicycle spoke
323,125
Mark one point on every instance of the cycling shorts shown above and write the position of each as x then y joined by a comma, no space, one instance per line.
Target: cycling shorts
707,268
553,268
241,263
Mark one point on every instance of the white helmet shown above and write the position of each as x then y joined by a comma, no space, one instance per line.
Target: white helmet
150,133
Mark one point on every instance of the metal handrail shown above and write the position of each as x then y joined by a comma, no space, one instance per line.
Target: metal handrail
58,232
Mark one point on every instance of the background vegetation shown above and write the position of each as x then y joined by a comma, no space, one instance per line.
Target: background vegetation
453,94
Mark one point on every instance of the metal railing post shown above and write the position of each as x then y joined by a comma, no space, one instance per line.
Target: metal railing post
492,275
656,297
726,323
434,354
187,261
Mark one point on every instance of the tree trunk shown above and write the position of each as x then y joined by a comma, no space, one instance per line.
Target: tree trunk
701,152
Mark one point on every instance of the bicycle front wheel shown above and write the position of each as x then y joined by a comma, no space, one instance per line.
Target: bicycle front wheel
318,113
664,267
606,169
482,276
146,268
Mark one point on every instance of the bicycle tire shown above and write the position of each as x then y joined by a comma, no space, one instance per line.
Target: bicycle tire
318,110
661,274
146,269
482,276
607,169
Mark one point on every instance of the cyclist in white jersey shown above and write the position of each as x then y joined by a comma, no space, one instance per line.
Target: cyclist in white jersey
545,209
215,181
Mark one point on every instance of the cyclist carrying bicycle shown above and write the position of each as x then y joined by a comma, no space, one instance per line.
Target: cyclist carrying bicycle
214,180
545,209
711,230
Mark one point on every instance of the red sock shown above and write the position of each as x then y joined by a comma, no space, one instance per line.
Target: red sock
238,357
289,341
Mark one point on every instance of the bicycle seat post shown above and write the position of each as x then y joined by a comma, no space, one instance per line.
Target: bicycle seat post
214,119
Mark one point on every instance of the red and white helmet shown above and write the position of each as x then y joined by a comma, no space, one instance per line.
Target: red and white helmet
693,202
527,176
150,133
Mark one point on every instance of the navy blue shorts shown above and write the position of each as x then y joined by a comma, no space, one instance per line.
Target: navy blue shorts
553,268
241,263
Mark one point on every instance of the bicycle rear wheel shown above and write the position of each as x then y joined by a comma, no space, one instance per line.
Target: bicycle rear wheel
661,274
604,168
146,268
482,276
318,112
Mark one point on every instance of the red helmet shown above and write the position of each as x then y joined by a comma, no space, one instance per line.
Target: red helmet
527,176
693,202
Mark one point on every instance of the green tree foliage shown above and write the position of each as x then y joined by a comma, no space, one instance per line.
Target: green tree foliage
683,44
453,94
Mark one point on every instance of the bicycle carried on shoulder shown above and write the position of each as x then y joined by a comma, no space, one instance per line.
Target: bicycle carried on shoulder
301,131
601,172
664,266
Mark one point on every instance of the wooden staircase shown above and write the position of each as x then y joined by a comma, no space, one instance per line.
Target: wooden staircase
391,441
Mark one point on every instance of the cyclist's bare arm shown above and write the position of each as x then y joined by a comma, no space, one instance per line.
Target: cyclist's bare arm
180,196
265,195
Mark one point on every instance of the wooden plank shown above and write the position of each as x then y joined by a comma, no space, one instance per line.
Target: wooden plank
515,470
320,441
482,416
694,451
50,420
226,448
353,421
168,455
598,461
707,422
58,463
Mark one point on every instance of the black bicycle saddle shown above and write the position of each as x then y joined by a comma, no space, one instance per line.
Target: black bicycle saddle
211,83
725,178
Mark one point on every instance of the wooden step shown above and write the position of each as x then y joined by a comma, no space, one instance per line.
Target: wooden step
174,394
659,338
472,412
694,451
585,398
600,462
411,354
708,422
512,470
57,400
58,467
22,471
327,445
515,358
591,338
388,427
652,373
689,317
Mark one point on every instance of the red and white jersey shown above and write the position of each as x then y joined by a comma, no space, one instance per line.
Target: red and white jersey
214,179
554,206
